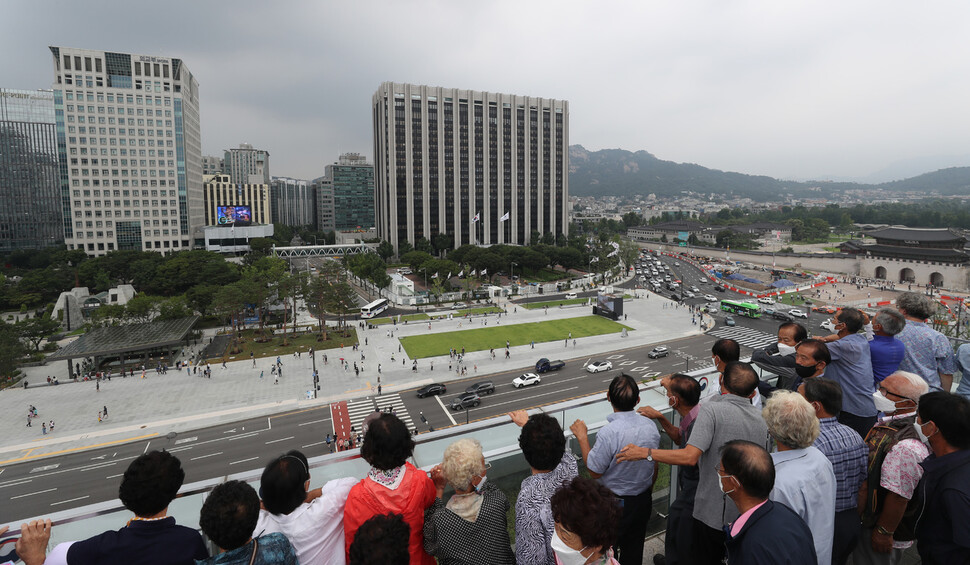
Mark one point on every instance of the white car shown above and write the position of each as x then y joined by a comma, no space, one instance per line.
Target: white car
571,295
796,313
599,366
688,294
694,289
828,326
526,379
766,300
710,298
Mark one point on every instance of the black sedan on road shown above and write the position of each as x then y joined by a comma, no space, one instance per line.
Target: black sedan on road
432,389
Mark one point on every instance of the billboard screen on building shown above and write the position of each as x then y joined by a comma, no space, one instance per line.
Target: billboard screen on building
234,215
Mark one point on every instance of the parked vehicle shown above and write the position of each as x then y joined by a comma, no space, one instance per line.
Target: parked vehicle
544,365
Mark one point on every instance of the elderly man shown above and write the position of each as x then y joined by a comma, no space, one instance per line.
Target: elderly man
943,530
726,417
895,452
779,357
851,367
811,358
885,350
928,352
804,479
765,533
848,454
631,482
683,395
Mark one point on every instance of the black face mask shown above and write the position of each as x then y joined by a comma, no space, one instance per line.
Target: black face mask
804,371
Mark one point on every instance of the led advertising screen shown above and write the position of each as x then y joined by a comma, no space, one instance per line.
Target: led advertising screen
234,215
609,306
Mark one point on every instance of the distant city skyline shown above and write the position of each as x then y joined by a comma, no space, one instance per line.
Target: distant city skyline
821,90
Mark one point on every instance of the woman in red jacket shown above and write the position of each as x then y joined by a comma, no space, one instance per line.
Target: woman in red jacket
393,485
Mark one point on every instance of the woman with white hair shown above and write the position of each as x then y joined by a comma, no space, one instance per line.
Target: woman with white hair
471,527
804,477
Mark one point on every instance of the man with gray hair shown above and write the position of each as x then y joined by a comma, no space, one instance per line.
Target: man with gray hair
804,477
885,350
928,352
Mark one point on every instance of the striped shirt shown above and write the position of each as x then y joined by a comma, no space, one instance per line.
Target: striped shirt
849,457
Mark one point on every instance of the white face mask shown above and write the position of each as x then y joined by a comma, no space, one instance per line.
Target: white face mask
720,483
785,349
882,403
922,436
566,554
481,485
672,401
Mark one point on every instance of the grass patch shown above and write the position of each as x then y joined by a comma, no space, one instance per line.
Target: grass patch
298,342
432,345
792,299
552,303
545,275
408,317
483,310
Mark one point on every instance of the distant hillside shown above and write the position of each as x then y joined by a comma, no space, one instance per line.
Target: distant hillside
621,173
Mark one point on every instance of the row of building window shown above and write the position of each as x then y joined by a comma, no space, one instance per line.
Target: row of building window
125,193
125,182
80,96
127,213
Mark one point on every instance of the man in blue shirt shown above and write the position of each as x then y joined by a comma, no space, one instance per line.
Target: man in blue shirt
885,350
631,481
928,352
851,367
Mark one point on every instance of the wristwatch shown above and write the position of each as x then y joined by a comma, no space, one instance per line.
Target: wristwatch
650,454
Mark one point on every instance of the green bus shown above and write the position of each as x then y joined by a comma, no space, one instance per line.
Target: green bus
741,308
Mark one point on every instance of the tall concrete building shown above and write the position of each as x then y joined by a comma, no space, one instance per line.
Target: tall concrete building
212,165
131,153
221,192
293,202
352,180
30,192
459,161
323,190
246,165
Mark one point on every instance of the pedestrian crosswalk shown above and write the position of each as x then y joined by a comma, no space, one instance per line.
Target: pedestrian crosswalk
745,336
360,408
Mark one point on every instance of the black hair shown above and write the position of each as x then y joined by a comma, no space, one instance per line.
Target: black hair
381,540
801,334
751,465
542,442
727,350
388,443
820,351
852,318
951,414
623,393
589,510
151,483
826,392
229,514
686,388
282,486
740,378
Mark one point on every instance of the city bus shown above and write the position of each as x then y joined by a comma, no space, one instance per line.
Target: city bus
741,308
374,308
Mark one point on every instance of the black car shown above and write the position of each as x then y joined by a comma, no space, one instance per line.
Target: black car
431,389
783,316
467,400
484,387
719,288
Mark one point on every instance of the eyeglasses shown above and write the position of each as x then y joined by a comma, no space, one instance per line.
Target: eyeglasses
885,390
487,466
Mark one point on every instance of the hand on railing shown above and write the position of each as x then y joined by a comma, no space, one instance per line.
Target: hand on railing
32,545
520,417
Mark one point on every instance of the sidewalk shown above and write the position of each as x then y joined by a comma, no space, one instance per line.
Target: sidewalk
177,402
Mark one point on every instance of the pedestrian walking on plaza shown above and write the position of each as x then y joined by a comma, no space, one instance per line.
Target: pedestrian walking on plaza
99,416
261,374
28,420
277,381
378,390
43,428
105,411
51,426
97,386
378,369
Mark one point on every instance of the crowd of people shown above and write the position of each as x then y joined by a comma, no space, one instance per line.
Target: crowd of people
854,451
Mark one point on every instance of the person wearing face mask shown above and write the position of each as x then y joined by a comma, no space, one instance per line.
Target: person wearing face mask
943,529
586,516
811,359
471,527
631,482
779,357
895,452
765,532
313,520
726,351
683,395
849,456
885,350
851,367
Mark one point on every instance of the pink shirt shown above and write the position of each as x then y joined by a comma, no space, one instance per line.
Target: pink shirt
742,519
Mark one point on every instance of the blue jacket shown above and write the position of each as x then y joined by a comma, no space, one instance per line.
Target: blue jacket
943,523
773,535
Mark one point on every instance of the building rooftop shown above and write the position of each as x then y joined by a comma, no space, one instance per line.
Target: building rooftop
917,235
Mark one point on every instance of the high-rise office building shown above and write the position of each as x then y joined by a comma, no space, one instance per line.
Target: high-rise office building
323,190
352,181
293,202
482,167
131,153
250,202
212,165
30,214
246,165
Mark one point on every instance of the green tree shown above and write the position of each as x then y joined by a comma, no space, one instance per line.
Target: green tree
632,219
404,247
415,259
142,308
385,250
173,308
200,297
422,244
35,330
12,349
442,242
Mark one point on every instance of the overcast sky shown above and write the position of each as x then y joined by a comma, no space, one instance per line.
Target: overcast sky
789,89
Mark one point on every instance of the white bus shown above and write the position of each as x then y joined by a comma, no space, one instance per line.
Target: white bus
374,308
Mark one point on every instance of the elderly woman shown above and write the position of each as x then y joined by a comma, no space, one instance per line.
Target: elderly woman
587,517
393,485
472,526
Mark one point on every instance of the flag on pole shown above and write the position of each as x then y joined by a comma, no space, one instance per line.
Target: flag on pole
484,271
434,276
472,273
449,274
594,260
504,218
477,217
614,252
461,273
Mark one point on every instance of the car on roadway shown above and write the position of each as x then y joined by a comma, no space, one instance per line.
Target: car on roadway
766,300
599,366
658,352
571,295
827,325
719,288
459,305
688,294
694,289
782,316
675,297
526,379
729,321
464,401
710,298
825,309
796,313
482,388
432,389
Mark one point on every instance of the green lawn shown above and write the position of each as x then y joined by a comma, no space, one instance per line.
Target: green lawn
300,341
552,303
483,310
432,345
408,317
545,275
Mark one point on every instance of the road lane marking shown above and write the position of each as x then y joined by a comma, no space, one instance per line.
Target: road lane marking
244,460
244,436
45,468
446,411
71,500
313,444
557,391
186,440
115,476
102,466
146,448
27,456
314,422
204,456
177,449
13,484
278,440
33,493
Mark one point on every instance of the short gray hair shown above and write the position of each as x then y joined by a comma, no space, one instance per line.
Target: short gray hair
892,321
791,419
912,386
462,462
916,305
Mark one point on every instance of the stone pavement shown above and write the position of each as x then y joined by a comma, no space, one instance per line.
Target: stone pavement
177,402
